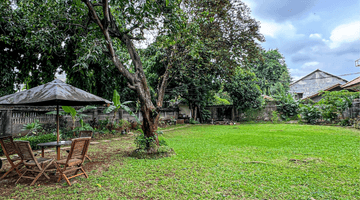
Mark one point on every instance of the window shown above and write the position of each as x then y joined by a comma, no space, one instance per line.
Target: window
299,95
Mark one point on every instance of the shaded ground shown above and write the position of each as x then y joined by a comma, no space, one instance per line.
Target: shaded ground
101,155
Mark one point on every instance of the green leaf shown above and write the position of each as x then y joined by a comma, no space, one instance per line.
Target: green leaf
109,109
116,98
70,110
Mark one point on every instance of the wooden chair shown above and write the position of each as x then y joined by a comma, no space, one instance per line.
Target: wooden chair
33,164
84,134
75,159
10,149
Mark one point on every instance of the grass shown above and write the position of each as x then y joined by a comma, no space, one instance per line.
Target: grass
252,161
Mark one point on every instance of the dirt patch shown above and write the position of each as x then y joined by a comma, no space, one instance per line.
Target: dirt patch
102,159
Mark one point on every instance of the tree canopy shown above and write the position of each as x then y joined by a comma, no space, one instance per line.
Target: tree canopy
270,68
198,44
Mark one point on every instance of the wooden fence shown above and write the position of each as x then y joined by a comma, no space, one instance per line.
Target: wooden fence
13,118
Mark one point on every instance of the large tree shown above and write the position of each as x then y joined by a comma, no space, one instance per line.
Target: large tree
271,68
216,35
125,22
223,38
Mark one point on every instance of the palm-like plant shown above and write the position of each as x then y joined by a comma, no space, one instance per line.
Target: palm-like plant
73,113
117,105
32,127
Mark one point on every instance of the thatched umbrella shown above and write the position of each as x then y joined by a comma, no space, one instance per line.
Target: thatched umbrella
53,93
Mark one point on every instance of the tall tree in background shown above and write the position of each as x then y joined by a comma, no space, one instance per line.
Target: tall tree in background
271,68
125,22
224,39
244,91
209,40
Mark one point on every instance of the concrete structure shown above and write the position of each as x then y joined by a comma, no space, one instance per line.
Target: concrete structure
314,82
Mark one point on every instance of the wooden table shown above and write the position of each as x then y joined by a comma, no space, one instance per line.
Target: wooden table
54,144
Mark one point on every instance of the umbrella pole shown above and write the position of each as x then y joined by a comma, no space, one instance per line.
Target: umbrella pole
57,132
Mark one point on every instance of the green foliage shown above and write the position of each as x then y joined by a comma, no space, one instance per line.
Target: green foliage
193,121
310,113
37,139
33,127
335,103
244,91
275,117
345,122
252,114
103,123
144,143
206,114
220,101
83,127
286,105
73,113
123,123
117,105
270,69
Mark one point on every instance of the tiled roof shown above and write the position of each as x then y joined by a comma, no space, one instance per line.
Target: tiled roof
352,83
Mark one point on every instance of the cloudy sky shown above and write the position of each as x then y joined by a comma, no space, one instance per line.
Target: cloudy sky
312,34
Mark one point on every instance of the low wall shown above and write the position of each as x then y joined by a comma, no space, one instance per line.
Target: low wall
13,118
229,113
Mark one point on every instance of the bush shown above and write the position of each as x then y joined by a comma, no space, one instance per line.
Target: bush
345,122
334,103
310,113
285,103
34,140
275,116
193,121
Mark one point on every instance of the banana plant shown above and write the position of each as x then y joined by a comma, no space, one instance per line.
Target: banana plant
117,105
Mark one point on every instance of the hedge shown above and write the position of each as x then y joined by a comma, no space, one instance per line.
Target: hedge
34,140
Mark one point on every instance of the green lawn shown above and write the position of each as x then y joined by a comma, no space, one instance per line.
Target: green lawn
252,161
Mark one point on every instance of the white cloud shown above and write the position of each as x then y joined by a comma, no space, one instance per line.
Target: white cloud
309,65
311,18
275,30
344,33
315,36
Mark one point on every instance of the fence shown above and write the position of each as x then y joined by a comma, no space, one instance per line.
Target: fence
13,118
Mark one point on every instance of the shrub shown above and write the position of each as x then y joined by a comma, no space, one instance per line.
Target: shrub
34,140
286,104
335,103
252,114
345,122
275,116
310,113
193,121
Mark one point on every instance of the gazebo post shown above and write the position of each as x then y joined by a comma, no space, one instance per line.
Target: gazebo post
57,132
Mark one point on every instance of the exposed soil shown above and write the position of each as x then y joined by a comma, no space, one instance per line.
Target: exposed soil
101,160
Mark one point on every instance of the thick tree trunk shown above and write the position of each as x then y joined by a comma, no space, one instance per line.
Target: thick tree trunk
150,124
136,80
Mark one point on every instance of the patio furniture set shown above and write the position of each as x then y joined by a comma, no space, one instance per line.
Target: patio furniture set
22,159
53,93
